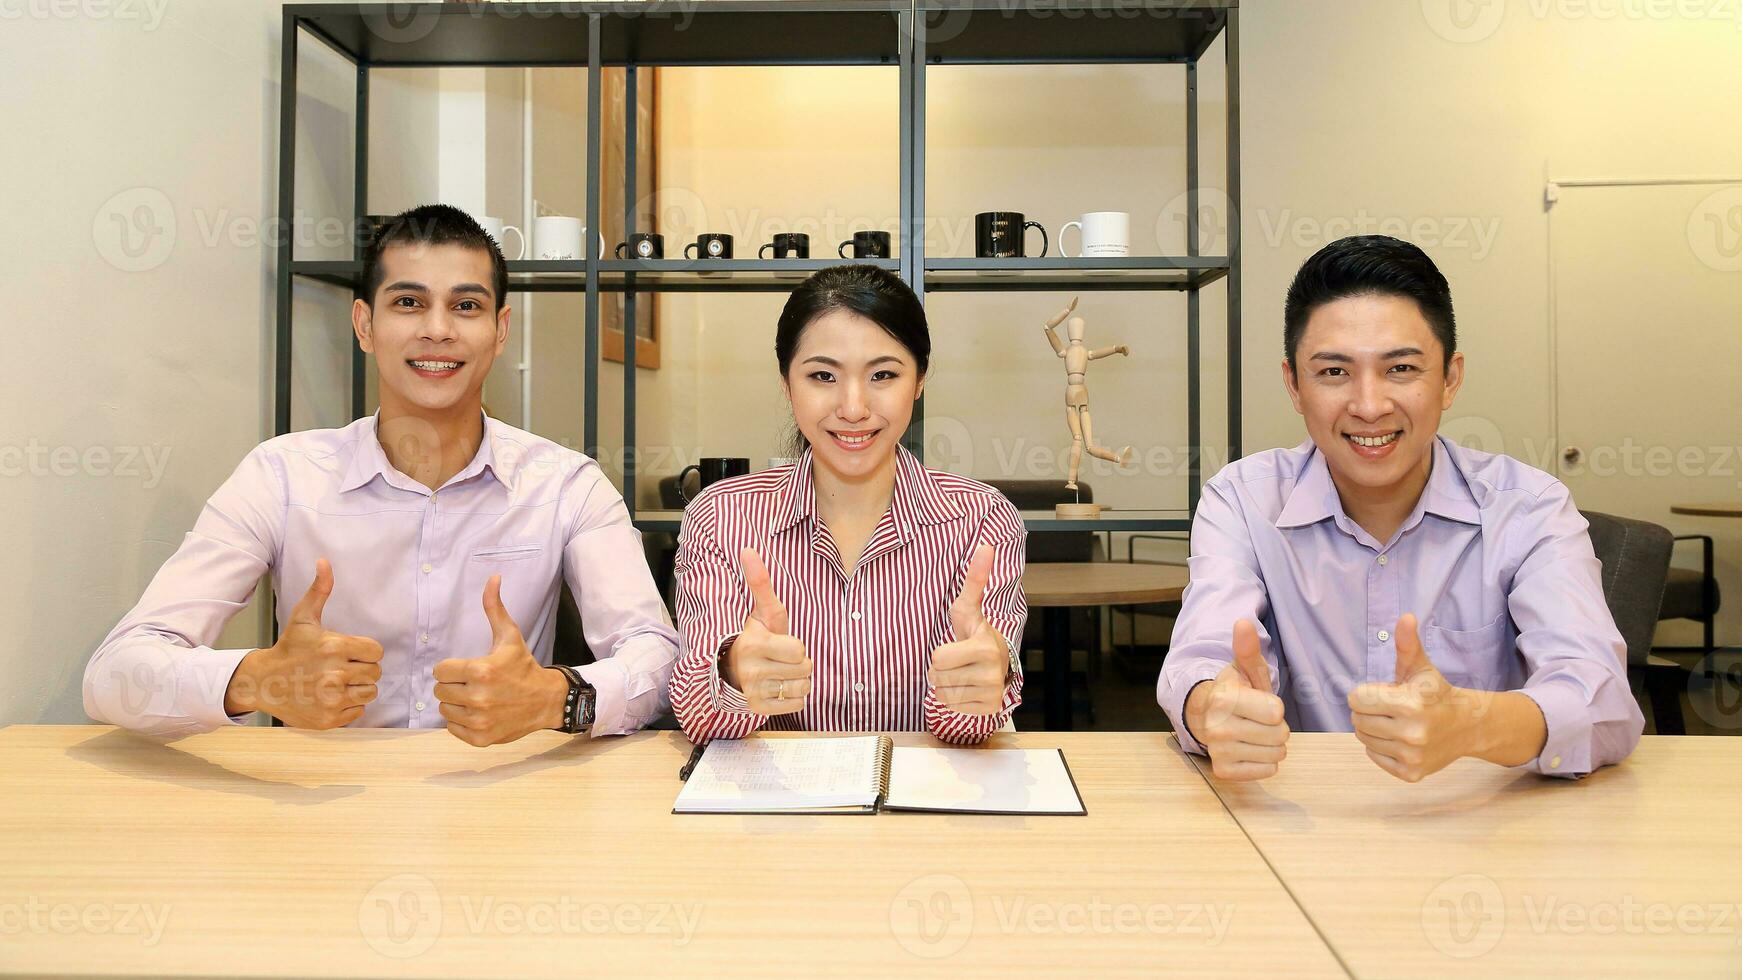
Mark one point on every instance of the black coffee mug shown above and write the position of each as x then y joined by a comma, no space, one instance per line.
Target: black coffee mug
999,235
709,247
866,245
645,245
796,245
711,470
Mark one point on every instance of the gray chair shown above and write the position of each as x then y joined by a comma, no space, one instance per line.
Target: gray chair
1693,594
1635,557
1130,655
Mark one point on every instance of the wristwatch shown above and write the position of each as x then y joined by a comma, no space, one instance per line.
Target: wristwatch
578,705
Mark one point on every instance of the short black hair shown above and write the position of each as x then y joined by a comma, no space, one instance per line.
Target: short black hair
876,294
1368,265
432,224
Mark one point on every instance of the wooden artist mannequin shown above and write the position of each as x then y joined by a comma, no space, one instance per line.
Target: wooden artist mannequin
1077,357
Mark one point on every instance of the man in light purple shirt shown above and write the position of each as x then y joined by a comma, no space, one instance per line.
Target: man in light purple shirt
1437,601
424,536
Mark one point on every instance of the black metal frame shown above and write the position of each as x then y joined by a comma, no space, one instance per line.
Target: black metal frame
784,32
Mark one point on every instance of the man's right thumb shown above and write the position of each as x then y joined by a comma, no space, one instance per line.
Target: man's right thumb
314,601
1248,657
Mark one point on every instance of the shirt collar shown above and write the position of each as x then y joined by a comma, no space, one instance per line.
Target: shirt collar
369,460
1314,497
917,500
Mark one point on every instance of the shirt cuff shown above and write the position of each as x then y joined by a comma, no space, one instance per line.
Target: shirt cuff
610,701
1177,686
726,697
1567,749
206,710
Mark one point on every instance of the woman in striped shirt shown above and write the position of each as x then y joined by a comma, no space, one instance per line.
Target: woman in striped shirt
853,590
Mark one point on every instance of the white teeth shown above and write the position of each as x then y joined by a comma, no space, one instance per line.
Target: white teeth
1375,440
436,365
853,440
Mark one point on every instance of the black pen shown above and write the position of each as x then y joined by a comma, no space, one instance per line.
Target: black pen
690,766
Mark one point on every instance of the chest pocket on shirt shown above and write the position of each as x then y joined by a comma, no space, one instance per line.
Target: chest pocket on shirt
1481,658
509,553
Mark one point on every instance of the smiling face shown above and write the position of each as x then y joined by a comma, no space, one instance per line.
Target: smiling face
852,387
1371,381
433,327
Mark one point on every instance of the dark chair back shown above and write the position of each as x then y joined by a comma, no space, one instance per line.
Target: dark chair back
569,647
1051,546
1635,557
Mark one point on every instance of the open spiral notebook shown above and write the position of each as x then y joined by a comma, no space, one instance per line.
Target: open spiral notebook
869,773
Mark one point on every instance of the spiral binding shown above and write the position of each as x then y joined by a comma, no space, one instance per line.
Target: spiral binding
885,747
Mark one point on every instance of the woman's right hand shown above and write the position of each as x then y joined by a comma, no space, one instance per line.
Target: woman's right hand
765,662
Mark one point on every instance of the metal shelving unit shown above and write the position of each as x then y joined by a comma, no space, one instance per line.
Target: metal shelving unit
909,35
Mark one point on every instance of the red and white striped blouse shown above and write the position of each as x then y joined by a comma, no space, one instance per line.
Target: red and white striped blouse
870,636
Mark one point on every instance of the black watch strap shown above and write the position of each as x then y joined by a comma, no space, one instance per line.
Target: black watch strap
578,705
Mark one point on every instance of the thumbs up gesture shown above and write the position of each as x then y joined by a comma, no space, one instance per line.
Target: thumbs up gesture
505,694
312,677
1236,717
765,662
1419,724
970,673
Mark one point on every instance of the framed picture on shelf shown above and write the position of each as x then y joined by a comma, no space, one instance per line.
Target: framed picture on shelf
613,101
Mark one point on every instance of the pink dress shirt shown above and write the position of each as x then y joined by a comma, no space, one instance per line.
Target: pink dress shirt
409,567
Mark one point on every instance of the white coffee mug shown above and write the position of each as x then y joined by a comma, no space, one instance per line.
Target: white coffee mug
496,229
558,237
1105,234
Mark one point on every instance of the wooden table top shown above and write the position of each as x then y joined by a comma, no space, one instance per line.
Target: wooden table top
392,852
1708,509
1484,871
1102,583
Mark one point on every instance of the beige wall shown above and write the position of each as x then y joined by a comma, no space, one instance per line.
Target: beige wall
1350,109
1377,116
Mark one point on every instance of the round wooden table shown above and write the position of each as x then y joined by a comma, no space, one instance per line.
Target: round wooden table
1055,587
1708,510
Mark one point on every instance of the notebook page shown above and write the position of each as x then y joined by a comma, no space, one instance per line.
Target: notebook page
783,773
988,780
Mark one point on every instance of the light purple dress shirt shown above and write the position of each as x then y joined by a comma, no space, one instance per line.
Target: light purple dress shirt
1495,562
409,568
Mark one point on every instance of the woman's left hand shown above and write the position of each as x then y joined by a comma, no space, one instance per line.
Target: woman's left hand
970,674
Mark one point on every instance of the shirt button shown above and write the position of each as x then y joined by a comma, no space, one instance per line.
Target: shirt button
1382,560
858,687
420,706
856,616
1384,635
427,568
425,638
1554,763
